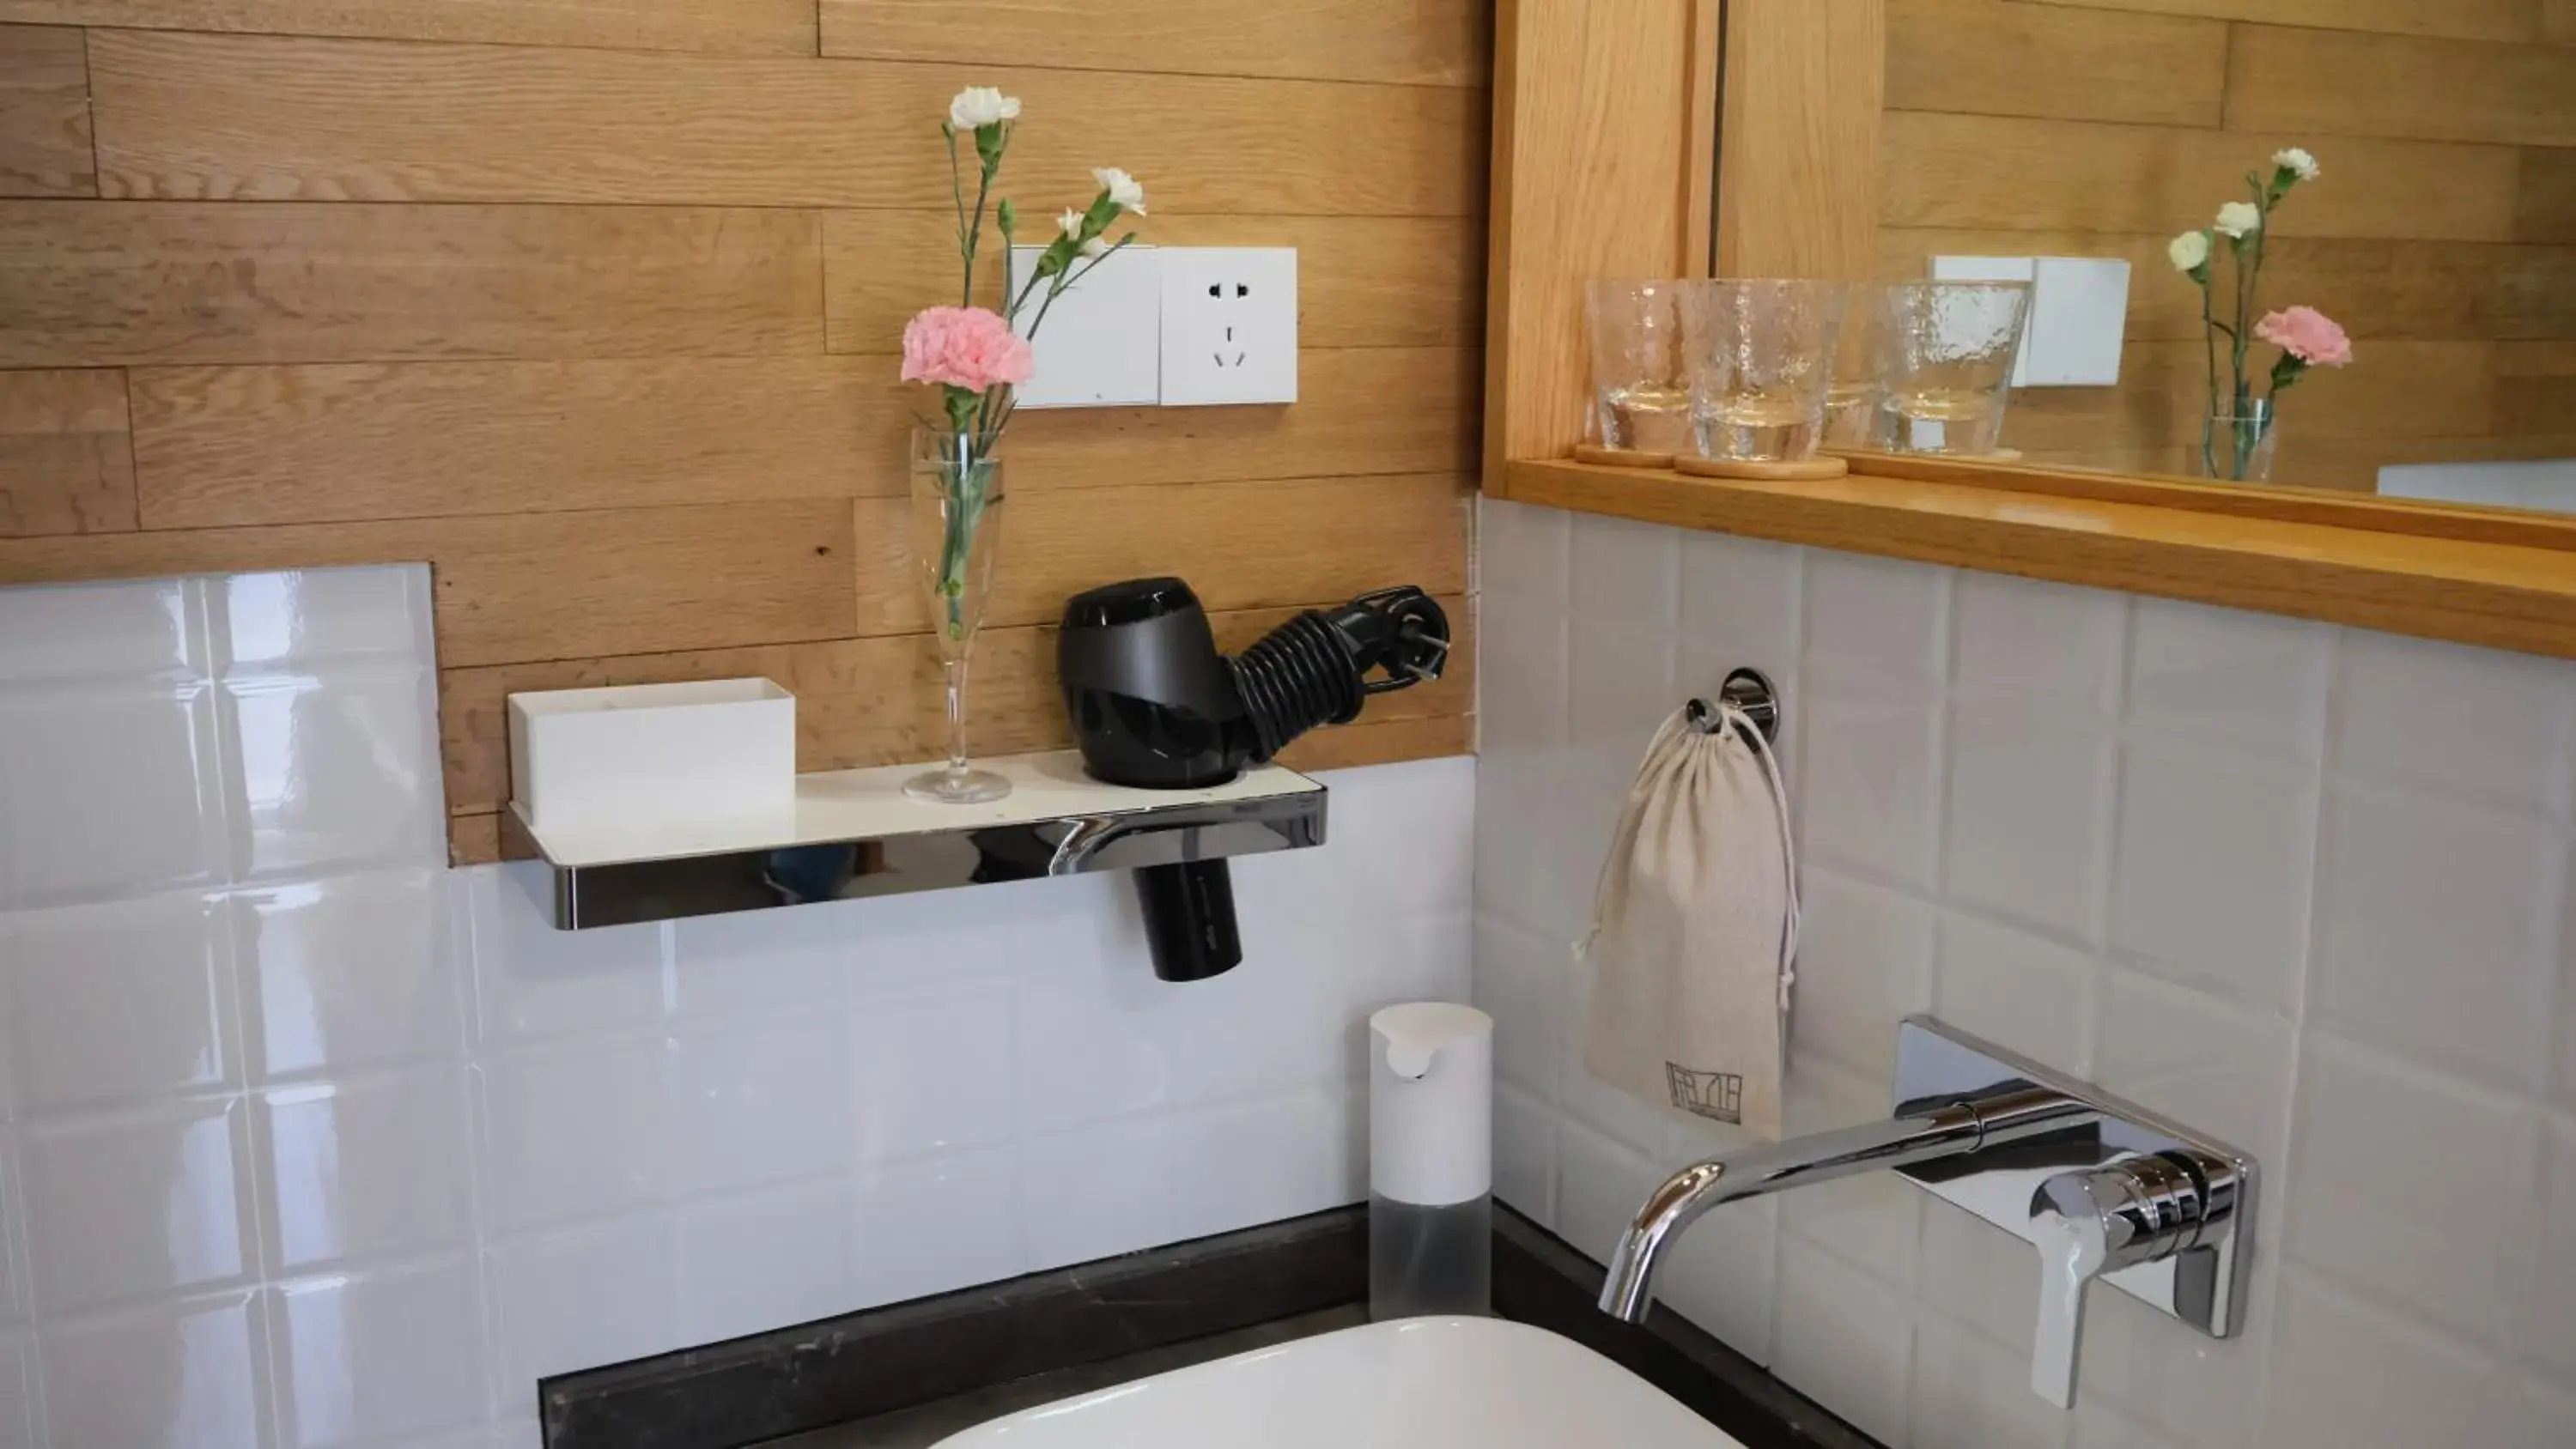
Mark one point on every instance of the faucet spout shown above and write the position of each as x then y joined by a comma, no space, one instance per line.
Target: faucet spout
1945,1131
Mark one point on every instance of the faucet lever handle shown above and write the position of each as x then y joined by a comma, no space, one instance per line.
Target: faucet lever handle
2086,1224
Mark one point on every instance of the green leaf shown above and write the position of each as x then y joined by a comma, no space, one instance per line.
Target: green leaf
2286,371
989,142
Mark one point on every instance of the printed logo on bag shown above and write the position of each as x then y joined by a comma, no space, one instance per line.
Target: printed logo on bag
1718,1095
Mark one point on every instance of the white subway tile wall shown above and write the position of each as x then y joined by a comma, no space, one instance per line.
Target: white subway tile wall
2307,888
306,1140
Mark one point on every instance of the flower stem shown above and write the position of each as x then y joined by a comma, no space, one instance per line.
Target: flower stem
957,714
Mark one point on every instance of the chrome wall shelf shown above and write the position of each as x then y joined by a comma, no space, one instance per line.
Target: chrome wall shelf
853,833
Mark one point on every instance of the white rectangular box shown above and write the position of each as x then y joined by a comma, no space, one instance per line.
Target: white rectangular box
723,748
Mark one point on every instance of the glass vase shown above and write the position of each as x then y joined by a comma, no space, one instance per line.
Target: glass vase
2238,444
953,530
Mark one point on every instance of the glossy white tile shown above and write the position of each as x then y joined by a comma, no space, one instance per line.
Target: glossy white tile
300,618
1521,681
2539,1298
2510,745
2436,932
573,1133
1521,982
1985,1280
366,1169
2042,641
764,1261
331,773
1096,1191
2432,1235
119,1001
2029,815
579,1299
1743,596
19,1421
1843,1338
1624,574
2218,676
120,630
1876,624
1525,1153
107,790
1874,1221
1970,1393
930,1066
180,1376
2019,991
374,1358
1723,1273
2345,1372
2210,882
925,1227
137,1206
1600,1183
351,971
753,1102
1869,774
763,960
1521,554
531,980
1864,964
1239,1164
2199,1059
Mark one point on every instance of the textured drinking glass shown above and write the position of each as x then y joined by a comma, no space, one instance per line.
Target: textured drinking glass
1860,369
1638,398
1760,357
1950,349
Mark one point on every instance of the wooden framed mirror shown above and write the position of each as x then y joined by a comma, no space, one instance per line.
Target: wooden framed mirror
1858,139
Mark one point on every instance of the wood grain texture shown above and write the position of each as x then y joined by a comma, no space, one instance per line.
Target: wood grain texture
1589,180
44,113
2407,390
102,283
2545,209
262,118
1945,170
716,27
552,586
2474,19
1429,42
862,702
2005,57
1361,281
2558,21
66,456
2351,83
1798,138
2492,594
243,445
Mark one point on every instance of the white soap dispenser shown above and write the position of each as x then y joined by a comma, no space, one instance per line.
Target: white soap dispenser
1431,1160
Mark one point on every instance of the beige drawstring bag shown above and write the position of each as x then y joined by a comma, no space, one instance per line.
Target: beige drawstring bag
1695,927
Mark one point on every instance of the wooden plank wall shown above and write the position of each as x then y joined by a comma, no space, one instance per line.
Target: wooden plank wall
592,305
2443,234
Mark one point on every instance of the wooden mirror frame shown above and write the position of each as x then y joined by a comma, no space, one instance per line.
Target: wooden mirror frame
1667,138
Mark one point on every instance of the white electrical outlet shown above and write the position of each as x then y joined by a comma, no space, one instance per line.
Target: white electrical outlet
1229,325
1101,344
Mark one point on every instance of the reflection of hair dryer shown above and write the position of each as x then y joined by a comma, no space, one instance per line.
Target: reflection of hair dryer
1155,706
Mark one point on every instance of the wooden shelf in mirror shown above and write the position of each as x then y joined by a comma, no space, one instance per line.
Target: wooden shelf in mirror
2473,576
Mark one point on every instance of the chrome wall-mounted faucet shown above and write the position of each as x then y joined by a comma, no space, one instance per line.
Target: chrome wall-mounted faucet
2100,1187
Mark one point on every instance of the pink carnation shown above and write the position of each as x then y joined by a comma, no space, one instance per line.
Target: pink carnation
966,347
2308,335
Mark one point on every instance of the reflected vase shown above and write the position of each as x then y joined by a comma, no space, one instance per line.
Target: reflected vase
953,532
2238,445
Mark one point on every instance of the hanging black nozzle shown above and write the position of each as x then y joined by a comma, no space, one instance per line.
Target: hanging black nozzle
1155,706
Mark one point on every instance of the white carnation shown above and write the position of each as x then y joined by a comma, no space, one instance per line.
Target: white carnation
1070,224
2237,218
1123,189
2189,251
978,106
1096,247
2297,162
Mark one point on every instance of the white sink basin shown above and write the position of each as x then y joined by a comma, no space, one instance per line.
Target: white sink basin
1419,1383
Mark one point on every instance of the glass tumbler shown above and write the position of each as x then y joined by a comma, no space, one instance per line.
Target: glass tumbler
1639,401
1949,362
1760,356
1860,369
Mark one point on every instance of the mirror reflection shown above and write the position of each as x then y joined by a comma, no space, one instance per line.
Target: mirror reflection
2338,253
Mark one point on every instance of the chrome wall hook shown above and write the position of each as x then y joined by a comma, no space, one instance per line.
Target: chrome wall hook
1747,690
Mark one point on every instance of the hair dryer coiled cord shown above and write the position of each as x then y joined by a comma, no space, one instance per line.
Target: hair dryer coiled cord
1302,674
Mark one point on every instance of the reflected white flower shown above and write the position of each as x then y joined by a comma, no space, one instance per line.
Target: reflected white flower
979,106
1123,189
2189,251
2297,162
2237,218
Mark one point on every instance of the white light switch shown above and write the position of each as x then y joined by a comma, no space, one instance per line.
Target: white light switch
2078,308
1229,325
1102,341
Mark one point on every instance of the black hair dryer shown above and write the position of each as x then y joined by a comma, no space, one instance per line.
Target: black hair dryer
1155,706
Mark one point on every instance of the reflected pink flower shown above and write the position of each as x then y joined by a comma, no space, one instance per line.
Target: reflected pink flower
2308,335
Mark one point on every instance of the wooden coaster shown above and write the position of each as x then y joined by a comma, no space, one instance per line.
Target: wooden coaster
1620,457
1811,470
